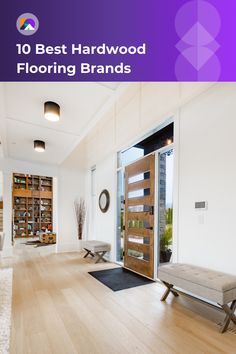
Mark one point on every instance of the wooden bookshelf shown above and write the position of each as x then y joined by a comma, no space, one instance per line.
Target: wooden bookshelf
32,204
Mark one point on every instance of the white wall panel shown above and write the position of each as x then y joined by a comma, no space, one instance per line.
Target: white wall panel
158,101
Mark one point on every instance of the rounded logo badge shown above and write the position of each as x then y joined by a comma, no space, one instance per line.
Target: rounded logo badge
27,24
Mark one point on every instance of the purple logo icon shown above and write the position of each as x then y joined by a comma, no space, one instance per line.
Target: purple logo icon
27,24
197,23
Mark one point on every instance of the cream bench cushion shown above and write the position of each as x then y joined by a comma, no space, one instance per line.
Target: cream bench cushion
96,246
212,285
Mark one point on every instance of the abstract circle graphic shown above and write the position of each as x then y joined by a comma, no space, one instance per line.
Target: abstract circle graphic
197,23
27,24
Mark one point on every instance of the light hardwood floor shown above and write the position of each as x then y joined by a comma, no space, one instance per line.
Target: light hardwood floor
59,308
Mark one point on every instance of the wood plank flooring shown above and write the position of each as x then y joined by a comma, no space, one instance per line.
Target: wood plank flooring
59,308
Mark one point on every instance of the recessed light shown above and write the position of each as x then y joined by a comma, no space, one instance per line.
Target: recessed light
39,145
52,111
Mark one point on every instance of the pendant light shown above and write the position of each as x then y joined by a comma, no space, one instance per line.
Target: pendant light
39,145
52,111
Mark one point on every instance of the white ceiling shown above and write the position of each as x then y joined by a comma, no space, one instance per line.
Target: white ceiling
81,105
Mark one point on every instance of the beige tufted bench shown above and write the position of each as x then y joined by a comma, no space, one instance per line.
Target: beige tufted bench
216,287
96,248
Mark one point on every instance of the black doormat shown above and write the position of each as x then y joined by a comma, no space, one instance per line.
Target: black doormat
120,278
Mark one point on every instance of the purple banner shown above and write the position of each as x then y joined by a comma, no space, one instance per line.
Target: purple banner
125,40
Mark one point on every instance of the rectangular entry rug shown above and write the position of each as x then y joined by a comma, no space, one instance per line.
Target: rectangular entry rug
5,309
120,278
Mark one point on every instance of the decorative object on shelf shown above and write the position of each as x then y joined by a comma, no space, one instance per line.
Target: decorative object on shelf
52,111
39,145
104,201
80,212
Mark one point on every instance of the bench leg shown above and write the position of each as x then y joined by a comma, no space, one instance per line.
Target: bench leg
88,253
230,316
100,256
168,290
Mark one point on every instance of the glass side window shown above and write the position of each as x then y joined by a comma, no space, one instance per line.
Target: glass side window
130,155
165,206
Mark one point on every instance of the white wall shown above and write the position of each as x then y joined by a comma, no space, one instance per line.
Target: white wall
207,171
1,185
143,107
70,188
205,163
204,158
104,224
2,125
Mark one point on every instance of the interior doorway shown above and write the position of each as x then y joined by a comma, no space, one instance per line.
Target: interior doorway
33,224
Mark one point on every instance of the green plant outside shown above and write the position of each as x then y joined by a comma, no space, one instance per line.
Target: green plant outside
166,238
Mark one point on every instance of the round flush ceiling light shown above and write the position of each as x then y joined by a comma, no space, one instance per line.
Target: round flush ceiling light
39,145
52,111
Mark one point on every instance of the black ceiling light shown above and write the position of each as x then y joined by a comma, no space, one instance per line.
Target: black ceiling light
39,145
52,111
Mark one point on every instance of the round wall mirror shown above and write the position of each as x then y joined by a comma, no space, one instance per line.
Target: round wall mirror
104,200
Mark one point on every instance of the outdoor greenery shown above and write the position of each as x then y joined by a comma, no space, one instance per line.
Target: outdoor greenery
169,216
166,238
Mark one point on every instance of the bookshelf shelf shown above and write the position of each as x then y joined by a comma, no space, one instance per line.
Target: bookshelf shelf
32,204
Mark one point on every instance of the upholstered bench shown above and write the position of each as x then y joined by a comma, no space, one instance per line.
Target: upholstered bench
96,248
212,286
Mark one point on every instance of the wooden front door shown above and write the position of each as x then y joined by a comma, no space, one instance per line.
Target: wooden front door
139,216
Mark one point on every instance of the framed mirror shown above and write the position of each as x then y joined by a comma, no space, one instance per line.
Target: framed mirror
104,200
